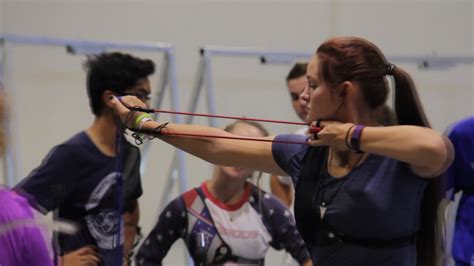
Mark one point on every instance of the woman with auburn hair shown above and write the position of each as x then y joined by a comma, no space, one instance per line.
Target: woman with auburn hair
365,194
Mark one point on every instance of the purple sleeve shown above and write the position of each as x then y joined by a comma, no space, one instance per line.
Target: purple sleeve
461,170
171,225
290,156
21,240
283,229
52,181
451,173
38,253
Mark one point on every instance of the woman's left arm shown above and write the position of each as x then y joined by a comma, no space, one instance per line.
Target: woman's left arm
426,151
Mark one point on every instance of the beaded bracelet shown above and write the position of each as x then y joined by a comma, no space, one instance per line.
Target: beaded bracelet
143,121
141,117
347,137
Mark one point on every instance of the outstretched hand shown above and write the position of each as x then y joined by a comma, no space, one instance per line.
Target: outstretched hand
122,107
332,134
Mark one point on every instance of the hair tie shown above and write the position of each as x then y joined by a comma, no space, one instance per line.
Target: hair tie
389,69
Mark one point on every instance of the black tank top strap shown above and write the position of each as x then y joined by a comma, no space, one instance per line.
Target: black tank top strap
307,218
468,191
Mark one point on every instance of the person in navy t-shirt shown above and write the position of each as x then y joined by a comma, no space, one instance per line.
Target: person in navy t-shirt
78,177
460,177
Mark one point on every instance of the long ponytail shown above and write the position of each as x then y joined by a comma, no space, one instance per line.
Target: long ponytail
408,108
409,111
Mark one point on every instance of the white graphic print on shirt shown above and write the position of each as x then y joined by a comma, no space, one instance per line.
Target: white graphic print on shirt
242,229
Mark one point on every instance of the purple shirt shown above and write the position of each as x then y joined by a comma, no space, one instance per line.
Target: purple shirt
460,176
20,244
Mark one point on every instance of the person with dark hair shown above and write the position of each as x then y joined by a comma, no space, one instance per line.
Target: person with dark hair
296,82
225,220
365,194
460,177
79,178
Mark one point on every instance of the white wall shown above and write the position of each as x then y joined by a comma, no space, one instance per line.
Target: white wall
1,15
48,91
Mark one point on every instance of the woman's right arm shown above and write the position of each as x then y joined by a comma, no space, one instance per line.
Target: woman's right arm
171,226
254,155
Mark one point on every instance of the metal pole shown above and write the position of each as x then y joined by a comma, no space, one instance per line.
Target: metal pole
78,45
280,56
172,174
183,182
163,81
9,162
180,155
211,101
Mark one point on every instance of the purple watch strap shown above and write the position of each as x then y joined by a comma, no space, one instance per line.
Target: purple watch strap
355,138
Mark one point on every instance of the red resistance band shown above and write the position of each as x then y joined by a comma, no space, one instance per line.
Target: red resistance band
312,129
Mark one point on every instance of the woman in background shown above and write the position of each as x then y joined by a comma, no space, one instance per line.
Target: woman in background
226,219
